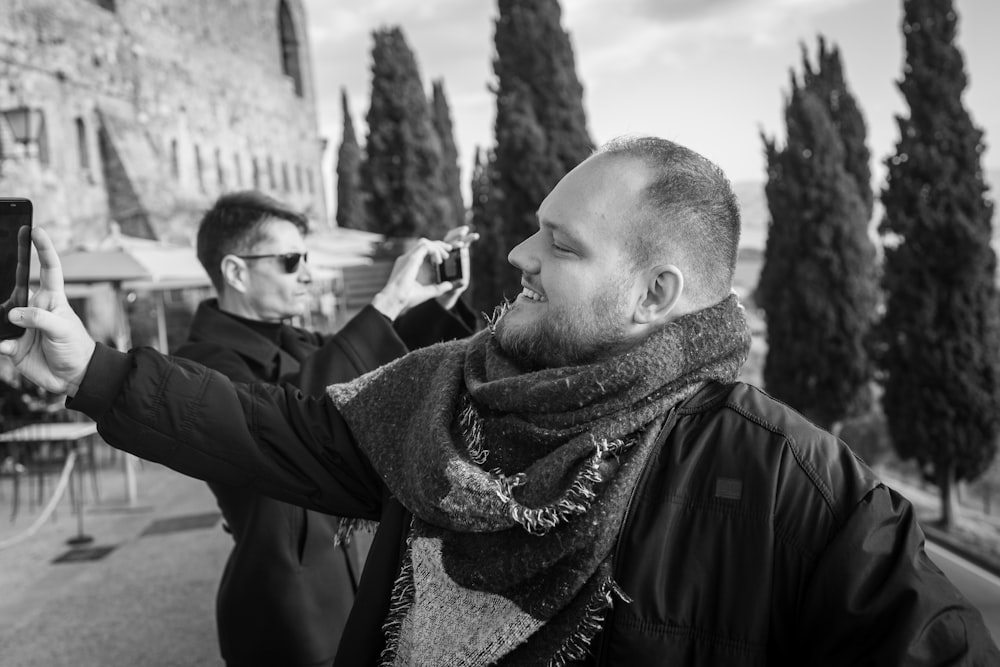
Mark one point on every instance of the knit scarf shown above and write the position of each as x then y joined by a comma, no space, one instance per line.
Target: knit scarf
519,483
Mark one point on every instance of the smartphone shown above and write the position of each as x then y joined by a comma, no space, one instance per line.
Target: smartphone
15,256
455,267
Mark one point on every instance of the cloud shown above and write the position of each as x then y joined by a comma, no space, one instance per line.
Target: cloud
673,10
345,22
676,33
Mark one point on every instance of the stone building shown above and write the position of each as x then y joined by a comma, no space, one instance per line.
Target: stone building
147,110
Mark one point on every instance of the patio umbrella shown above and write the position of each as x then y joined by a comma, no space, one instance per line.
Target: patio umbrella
127,264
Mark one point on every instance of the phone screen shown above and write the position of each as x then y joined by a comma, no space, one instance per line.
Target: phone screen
15,256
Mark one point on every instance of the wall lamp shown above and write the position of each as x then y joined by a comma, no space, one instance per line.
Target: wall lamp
25,124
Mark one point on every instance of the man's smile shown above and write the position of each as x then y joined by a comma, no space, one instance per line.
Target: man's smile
532,295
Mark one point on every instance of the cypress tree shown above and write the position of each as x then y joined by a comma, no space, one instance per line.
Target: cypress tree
942,336
489,256
828,83
541,127
451,176
350,204
818,285
401,173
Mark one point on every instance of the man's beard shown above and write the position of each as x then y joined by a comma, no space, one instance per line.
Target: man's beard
566,338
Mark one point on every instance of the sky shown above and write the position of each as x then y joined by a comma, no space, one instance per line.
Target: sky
709,74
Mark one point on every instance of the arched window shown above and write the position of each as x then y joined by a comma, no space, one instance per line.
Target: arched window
175,160
289,47
198,168
220,173
82,149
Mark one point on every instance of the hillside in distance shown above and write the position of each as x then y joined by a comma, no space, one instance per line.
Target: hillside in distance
753,208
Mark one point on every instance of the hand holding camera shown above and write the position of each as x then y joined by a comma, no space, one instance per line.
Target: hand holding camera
456,267
430,269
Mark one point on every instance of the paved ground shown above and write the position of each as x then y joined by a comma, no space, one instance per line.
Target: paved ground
147,602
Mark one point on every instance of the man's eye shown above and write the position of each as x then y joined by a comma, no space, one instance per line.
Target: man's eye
559,248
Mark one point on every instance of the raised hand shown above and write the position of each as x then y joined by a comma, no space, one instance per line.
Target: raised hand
55,349
412,279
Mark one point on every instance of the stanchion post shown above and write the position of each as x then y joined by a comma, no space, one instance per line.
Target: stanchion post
131,492
81,537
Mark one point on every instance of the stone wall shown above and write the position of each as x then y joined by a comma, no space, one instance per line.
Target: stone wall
154,108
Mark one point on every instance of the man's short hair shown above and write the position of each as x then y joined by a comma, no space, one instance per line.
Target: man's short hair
691,215
234,225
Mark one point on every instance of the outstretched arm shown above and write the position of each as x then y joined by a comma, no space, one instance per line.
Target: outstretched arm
187,417
270,438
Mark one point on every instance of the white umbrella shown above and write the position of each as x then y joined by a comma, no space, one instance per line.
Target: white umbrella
129,263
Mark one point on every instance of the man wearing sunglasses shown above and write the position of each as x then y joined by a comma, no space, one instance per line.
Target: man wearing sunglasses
289,581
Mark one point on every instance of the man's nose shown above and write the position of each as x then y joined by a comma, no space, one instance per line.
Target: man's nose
524,256
305,275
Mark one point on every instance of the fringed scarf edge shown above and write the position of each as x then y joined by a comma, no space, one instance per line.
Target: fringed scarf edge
577,645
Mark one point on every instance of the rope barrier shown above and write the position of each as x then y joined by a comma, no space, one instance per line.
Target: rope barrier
57,493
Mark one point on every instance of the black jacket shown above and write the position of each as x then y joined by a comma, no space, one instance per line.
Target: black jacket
286,590
753,537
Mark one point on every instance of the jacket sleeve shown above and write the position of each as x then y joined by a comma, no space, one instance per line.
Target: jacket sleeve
429,323
220,358
271,438
366,342
876,598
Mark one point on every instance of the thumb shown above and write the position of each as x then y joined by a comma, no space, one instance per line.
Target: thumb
443,288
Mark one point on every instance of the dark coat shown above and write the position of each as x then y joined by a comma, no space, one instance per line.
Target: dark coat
286,590
753,537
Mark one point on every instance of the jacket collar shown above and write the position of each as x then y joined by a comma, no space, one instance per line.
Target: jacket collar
211,325
710,395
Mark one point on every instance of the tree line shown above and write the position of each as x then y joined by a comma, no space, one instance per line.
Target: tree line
898,313
911,319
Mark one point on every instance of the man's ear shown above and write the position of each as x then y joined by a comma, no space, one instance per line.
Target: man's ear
663,292
234,273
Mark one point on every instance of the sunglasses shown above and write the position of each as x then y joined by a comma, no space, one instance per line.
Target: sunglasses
289,261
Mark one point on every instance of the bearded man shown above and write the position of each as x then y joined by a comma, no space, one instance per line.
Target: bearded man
584,482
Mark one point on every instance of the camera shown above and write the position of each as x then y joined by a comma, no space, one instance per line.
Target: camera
455,267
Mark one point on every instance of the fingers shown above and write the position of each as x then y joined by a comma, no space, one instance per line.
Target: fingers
461,236
32,317
435,251
51,276
456,234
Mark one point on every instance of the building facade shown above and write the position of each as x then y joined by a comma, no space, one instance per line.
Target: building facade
146,110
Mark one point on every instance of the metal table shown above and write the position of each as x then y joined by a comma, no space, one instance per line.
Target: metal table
71,434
